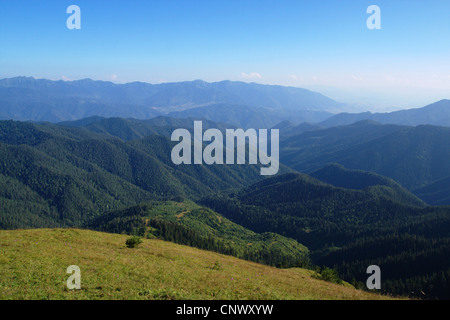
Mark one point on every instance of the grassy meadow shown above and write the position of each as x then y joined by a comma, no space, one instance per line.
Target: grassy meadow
33,265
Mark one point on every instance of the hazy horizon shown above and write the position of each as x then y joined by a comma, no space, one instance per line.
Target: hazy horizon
357,100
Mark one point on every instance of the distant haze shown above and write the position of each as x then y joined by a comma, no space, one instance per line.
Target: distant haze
382,99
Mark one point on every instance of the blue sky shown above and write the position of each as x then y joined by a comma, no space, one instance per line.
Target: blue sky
318,44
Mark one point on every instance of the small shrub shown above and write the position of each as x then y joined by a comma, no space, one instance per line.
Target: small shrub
328,274
133,242
217,266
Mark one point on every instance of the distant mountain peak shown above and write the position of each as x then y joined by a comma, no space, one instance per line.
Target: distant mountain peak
283,124
365,123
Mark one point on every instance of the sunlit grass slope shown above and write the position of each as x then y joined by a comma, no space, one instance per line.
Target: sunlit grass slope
33,265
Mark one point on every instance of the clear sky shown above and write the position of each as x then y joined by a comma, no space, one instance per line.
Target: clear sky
319,44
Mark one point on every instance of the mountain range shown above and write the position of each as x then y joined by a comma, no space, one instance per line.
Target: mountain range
365,145
240,104
352,189
244,105
26,98
251,117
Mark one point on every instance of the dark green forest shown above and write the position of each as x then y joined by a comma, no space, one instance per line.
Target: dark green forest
72,174
349,229
369,197
196,226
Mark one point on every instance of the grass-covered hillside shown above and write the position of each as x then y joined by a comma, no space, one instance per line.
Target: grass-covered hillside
33,265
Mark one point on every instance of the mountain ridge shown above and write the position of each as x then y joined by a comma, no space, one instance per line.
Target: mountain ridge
27,98
339,176
412,156
437,113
